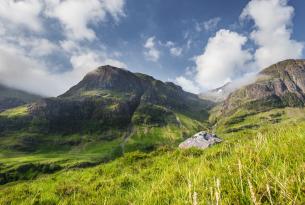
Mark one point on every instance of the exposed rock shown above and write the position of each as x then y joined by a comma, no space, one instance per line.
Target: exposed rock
201,140
280,85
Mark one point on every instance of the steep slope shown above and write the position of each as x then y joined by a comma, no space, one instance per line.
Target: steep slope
111,111
10,97
114,97
280,85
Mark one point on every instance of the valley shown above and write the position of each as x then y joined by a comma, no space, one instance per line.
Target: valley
113,139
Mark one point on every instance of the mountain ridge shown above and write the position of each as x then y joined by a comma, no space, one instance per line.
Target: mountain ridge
279,85
10,97
114,97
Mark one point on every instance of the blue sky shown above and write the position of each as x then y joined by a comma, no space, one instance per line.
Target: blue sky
47,46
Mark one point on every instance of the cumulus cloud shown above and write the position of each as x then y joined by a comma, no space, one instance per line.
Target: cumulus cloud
222,60
26,52
187,85
151,52
272,33
31,74
225,58
20,71
22,13
76,15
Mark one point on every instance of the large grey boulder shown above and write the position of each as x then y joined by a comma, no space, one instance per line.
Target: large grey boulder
201,140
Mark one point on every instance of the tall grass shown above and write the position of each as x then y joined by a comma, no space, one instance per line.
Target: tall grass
265,167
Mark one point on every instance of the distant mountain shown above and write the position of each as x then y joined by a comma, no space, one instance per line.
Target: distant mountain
280,85
217,94
114,98
10,97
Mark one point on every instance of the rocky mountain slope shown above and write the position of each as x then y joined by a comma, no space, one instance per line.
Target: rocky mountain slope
10,97
114,98
280,85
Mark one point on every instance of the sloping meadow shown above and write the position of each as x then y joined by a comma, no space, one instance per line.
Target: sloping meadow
264,165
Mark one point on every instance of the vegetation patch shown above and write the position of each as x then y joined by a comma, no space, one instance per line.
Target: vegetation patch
15,112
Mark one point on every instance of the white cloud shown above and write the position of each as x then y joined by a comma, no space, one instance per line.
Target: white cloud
151,52
20,71
115,8
22,13
208,25
23,54
169,44
77,15
176,51
272,33
223,59
37,46
187,84
30,74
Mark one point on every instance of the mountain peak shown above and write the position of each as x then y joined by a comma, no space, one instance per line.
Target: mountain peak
280,85
285,65
109,78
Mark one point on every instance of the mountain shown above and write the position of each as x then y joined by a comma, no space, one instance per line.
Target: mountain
280,85
127,127
217,94
10,97
114,97
111,110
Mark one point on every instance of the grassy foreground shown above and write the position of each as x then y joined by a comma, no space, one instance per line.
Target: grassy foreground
264,164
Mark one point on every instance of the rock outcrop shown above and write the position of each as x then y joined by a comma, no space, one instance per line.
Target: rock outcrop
280,85
201,140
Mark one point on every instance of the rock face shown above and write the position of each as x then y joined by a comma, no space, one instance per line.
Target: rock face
10,97
111,97
201,140
280,85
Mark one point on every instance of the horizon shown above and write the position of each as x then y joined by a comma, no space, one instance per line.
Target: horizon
45,50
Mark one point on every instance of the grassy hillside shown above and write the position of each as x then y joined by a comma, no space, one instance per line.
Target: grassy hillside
10,97
262,164
26,155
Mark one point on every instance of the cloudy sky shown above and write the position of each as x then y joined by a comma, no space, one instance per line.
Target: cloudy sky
46,46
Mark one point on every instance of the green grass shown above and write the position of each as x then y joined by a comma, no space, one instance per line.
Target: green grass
22,148
15,112
265,165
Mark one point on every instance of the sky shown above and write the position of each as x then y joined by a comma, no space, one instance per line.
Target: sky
47,46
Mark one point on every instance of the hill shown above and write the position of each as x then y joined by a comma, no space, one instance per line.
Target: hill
252,166
10,97
280,85
110,112
116,98
112,139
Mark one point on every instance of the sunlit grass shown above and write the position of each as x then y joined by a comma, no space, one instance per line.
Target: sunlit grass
15,112
265,167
